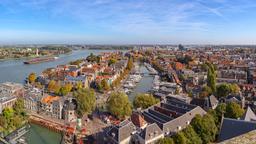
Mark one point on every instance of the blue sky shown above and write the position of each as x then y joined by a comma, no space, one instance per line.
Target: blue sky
128,21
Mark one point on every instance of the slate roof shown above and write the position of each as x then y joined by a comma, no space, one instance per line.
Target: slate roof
249,115
198,101
122,131
213,101
231,128
150,132
172,113
248,138
235,97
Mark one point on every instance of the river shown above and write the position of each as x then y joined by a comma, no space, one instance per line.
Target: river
16,71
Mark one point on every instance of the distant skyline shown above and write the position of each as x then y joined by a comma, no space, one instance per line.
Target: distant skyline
127,21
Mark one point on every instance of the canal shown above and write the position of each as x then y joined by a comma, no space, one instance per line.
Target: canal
144,85
41,135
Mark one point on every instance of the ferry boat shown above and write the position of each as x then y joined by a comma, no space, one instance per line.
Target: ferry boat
40,60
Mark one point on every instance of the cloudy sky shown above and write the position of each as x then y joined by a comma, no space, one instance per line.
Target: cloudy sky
128,21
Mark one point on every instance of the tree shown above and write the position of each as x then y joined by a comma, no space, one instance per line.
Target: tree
64,90
185,60
207,89
17,122
233,110
8,113
118,104
105,85
166,140
191,135
31,77
205,127
211,77
144,101
93,58
218,113
130,63
203,94
86,101
112,61
69,87
99,86
79,85
223,90
18,107
51,85
57,88
234,88
180,138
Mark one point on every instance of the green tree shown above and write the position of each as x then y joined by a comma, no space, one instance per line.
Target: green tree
93,58
218,113
130,63
234,88
18,107
234,110
51,85
207,89
191,135
17,121
8,113
79,85
105,85
166,140
69,87
112,61
180,138
211,77
144,101
86,101
205,127
32,77
223,90
118,104
64,90
57,88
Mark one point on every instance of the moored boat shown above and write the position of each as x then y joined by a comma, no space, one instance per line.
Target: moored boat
40,60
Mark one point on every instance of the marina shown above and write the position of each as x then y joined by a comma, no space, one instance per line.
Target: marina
133,79
145,83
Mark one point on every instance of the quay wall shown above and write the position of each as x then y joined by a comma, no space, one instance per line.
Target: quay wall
47,124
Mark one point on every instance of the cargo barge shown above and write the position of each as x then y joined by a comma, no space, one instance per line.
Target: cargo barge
40,60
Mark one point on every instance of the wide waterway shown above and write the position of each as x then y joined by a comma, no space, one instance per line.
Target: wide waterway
16,71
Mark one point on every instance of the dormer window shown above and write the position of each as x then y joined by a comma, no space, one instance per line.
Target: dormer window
156,132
